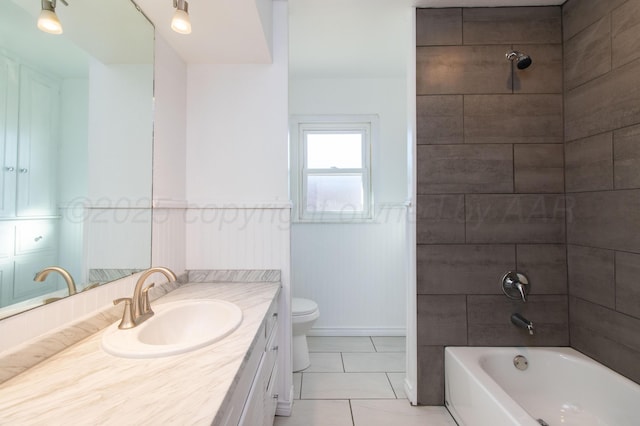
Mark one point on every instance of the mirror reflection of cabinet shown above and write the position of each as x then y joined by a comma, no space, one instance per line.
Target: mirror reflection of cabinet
28,146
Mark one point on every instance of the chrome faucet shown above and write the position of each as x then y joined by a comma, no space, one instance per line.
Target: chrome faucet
42,275
522,322
137,309
515,285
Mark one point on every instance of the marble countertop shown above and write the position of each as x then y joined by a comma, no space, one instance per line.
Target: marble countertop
85,385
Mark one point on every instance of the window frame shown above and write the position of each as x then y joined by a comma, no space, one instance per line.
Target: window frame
300,127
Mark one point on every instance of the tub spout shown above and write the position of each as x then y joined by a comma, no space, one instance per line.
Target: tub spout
522,322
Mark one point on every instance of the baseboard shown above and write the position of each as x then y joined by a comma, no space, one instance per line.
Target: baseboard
410,392
339,332
284,407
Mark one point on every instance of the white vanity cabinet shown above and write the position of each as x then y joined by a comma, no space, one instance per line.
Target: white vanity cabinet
254,400
28,140
28,161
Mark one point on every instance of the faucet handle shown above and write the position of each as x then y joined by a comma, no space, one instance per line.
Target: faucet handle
146,304
515,285
127,315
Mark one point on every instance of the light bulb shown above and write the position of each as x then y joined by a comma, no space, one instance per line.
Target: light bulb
48,22
180,22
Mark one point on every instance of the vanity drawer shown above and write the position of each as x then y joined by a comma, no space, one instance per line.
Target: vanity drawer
35,235
271,397
271,320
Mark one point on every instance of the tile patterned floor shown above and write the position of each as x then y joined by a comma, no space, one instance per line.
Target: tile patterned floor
357,381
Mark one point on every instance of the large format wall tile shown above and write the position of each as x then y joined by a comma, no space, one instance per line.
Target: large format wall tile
589,163
627,283
440,219
431,375
609,219
485,127
515,218
538,168
443,319
607,103
465,168
544,75
591,274
439,119
513,119
588,54
609,352
545,265
462,69
579,14
606,322
463,269
626,148
512,25
625,22
490,321
438,27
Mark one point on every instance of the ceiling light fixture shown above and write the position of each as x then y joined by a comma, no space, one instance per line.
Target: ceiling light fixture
48,20
180,22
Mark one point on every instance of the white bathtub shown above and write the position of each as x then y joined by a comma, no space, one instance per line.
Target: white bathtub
560,386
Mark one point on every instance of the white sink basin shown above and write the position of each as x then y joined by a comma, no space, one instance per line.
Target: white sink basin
176,327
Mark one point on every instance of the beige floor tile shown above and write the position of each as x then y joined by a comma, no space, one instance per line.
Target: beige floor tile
317,413
397,382
297,381
340,344
325,362
398,412
385,362
345,386
389,343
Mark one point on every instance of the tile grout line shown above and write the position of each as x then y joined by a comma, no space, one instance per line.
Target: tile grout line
301,380
391,384
353,421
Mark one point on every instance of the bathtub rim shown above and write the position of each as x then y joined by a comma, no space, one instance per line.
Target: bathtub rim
467,356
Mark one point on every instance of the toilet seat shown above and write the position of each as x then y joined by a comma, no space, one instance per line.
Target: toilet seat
300,306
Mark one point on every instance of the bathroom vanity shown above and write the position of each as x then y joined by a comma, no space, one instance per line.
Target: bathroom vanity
229,382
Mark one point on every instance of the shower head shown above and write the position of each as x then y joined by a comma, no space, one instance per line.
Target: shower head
522,61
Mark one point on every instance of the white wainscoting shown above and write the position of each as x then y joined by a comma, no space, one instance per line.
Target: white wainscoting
238,237
355,272
168,238
250,236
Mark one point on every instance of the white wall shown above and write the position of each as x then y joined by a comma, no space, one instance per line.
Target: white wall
357,272
236,134
115,131
72,174
117,226
237,163
169,158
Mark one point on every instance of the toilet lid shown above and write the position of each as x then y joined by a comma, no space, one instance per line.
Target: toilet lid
301,306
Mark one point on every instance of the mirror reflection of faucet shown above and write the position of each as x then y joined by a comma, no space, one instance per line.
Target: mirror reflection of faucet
516,285
42,275
520,321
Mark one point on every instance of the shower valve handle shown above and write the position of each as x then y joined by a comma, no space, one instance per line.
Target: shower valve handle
515,285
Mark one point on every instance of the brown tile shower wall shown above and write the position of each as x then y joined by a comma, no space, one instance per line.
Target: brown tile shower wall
602,148
490,182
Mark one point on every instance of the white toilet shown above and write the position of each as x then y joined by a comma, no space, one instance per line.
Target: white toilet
304,313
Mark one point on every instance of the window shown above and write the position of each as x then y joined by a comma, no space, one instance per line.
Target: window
333,168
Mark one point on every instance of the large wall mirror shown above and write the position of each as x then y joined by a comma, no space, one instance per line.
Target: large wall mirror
76,126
